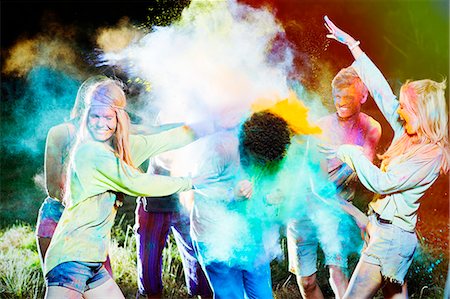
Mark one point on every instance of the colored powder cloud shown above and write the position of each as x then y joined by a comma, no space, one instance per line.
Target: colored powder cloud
216,62
212,61
115,39
54,48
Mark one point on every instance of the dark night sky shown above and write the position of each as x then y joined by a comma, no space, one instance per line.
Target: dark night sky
26,18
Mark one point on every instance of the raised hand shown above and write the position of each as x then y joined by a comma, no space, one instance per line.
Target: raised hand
338,34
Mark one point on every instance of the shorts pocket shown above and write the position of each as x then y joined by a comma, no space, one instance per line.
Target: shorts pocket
407,245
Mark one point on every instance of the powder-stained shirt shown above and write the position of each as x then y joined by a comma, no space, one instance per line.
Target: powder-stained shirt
83,233
217,158
217,219
405,179
334,134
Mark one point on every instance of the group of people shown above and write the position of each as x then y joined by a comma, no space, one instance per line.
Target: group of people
94,158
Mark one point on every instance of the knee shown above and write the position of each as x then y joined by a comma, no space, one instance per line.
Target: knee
337,275
307,284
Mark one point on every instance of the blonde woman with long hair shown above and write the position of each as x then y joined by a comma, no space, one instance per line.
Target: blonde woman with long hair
103,162
60,140
419,152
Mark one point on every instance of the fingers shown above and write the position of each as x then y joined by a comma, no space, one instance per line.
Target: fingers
328,22
245,189
329,29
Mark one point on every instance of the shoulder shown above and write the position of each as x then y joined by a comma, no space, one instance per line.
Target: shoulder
59,132
370,124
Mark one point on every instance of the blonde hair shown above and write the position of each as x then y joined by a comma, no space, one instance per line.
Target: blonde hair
81,99
426,100
103,91
110,93
347,77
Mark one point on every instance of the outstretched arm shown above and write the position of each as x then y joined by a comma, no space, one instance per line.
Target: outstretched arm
378,87
407,175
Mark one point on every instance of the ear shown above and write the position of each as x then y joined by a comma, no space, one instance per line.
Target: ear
364,98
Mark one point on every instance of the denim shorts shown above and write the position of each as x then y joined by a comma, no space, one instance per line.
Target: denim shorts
303,242
77,276
49,215
389,247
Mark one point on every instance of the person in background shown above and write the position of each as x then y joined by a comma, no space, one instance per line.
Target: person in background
419,152
348,125
155,217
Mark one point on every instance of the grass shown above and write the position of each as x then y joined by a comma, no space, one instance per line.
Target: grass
21,275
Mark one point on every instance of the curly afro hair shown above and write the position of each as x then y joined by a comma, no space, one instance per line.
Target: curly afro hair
264,139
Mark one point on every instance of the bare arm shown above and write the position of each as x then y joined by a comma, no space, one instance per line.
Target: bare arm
56,155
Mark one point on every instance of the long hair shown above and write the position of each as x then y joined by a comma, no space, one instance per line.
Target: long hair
110,93
425,99
81,99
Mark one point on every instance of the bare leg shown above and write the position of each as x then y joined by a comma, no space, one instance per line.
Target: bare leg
308,287
338,281
395,291
107,290
61,292
365,281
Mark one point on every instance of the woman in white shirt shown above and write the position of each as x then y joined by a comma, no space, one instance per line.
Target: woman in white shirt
417,155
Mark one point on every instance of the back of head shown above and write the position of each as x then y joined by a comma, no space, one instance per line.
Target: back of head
264,139
347,77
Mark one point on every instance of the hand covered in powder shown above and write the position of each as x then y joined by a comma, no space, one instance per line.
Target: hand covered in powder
338,34
244,189
275,198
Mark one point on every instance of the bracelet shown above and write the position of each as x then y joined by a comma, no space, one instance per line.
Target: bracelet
351,47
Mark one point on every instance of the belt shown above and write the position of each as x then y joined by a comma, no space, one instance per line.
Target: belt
381,220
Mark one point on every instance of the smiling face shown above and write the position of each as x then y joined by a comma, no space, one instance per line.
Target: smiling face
347,101
410,119
102,122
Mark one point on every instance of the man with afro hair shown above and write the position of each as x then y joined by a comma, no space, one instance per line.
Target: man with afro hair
229,248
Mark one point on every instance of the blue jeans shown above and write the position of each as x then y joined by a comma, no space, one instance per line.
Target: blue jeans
77,276
234,282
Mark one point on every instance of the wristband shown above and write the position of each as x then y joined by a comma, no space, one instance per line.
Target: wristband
351,47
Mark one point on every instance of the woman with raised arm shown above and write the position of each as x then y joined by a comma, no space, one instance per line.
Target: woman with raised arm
103,161
418,153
